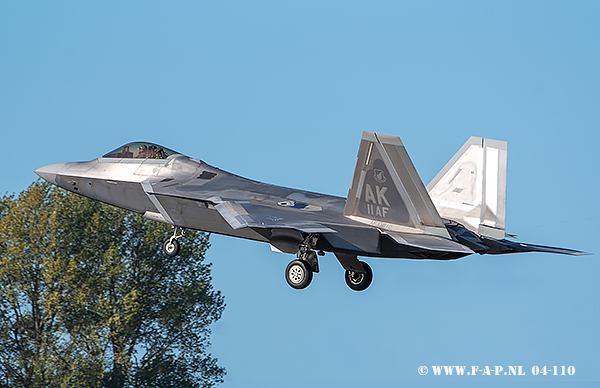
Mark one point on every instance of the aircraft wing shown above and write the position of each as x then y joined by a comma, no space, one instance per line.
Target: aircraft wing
242,214
342,237
279,212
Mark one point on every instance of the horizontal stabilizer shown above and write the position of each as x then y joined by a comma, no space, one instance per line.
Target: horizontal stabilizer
522,247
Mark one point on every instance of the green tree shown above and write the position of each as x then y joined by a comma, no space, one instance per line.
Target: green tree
88,299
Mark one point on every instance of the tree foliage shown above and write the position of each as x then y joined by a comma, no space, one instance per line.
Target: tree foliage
87,298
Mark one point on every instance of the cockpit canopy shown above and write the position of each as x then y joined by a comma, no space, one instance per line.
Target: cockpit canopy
141,150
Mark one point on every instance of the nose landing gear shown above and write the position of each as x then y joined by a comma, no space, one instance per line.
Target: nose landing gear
171,246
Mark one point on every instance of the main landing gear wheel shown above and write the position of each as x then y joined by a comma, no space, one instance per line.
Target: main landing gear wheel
298,274
359,281
171,247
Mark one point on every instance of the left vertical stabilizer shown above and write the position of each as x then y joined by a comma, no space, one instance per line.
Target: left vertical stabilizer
387,192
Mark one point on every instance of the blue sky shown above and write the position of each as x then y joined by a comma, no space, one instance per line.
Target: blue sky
281,92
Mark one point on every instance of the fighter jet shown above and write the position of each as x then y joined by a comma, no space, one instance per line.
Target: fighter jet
389,213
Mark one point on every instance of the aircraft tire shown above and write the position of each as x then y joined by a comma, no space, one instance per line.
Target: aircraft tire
360,281
298,274
171,247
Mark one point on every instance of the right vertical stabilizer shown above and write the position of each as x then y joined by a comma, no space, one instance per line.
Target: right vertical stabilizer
471,188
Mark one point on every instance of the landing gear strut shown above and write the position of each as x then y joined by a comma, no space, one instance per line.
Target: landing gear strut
171,246
299,272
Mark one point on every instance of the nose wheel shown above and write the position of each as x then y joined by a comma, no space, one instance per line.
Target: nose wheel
171,245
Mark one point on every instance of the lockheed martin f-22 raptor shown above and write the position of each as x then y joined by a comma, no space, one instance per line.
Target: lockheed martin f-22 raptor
388,212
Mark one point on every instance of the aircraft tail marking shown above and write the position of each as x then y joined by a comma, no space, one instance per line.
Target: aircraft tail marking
471,188
386,191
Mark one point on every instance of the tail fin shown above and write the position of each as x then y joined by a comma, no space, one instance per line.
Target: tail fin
386,191
471,188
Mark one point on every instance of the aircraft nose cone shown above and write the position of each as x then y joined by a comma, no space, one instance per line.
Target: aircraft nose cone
48,173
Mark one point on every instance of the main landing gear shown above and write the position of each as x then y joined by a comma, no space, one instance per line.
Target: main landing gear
299,272
171,246
359,281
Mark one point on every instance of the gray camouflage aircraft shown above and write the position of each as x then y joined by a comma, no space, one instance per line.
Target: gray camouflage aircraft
388,213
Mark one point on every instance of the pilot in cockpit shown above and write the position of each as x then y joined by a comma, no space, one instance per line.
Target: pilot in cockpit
126,153
141,151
